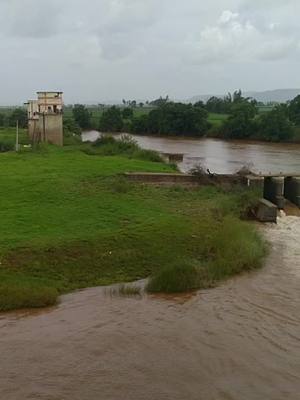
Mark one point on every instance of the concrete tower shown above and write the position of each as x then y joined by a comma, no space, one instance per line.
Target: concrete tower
45,118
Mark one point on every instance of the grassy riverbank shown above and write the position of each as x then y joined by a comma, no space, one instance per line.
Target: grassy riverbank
69,221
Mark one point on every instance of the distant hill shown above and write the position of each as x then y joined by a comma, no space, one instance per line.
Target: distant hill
277,95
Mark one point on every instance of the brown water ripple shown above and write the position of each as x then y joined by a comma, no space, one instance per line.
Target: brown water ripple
238,341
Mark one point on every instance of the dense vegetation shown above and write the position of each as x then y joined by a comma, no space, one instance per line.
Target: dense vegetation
9,117
233,117
69,220
125,145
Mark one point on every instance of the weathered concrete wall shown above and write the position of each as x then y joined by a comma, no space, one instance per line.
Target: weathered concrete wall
266,211
51,128
184,179
33,128
173,157
49,102
292,190
274,190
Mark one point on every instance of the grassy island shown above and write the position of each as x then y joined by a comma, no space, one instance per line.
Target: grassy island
69,220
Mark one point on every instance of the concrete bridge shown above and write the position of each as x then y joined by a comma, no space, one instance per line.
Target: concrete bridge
277,188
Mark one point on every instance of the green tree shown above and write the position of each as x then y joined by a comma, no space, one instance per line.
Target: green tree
140,124
275,125
159,102
71,126
111,120
199,104
82,116
240,123
294,110
127,113
2,119
19,114
217,105
178,119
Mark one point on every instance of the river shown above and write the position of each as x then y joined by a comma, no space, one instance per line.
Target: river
239,341
222,156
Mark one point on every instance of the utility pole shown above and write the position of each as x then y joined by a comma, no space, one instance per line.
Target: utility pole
17,136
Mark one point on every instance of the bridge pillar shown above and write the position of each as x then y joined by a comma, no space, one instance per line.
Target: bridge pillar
292,189
274,190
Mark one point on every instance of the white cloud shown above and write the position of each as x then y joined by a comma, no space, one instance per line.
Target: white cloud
227,16
234,37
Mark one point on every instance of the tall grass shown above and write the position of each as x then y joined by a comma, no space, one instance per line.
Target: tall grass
6,145
179,276
108,145
126,290
25,293
231,247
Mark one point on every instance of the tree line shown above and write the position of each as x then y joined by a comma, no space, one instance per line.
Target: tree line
173,118
9,119
282,123
243,120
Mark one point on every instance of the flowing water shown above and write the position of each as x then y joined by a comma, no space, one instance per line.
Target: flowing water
223,156
239,341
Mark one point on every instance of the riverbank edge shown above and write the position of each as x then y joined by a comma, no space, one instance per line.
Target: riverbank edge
188,137
35,275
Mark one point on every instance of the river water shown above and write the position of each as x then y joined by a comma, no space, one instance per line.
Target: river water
223,156
239,341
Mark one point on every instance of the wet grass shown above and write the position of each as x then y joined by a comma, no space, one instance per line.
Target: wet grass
180,276
69,221
230,247
126,290
18,292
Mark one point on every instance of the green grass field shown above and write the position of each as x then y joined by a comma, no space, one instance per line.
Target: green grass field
217,119
69,221
9,135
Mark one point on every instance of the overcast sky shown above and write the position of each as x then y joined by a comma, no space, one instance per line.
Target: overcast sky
99,50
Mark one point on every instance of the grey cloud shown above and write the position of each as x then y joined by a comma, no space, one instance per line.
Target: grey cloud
29,18
101,49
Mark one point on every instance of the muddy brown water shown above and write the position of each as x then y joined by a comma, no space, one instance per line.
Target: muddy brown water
223,156
238,341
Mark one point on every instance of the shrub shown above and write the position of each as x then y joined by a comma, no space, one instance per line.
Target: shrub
71,139
107,145
6,145
20,115
26,295
82,116
104,140
71,127
231,247
120,185
147,155
275,125
111,120
181,276
236,247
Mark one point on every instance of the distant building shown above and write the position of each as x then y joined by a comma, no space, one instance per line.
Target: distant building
45,118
